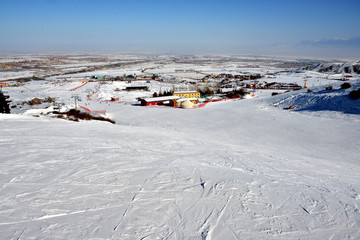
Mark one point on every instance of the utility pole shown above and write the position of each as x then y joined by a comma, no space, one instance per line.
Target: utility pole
76,97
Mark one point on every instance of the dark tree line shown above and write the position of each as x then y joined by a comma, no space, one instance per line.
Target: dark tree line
4,103
162,94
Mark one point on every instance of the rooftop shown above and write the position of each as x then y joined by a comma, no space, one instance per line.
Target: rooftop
165,98
185,99
186,92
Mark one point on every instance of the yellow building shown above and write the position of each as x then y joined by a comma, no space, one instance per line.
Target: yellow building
187,94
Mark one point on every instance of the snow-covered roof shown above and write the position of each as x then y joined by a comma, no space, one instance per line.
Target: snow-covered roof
186,92
165,98
184,99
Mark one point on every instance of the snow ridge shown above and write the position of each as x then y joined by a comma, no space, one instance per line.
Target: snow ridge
336,68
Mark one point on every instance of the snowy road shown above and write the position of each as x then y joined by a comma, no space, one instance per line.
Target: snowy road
235,170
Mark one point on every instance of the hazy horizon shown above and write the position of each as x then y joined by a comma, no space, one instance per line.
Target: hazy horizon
290,28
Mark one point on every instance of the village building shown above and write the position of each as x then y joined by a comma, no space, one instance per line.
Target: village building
173,101
176,100
137,88
99,77
35,101
187,94
166,100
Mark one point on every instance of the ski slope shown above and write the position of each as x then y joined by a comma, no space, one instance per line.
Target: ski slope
240,169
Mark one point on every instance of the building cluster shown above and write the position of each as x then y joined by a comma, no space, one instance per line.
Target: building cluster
178,99
226,77
17,65
129,78
30,64
231,76
260,85
277,85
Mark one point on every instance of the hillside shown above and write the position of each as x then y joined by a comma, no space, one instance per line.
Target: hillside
336,68
320,99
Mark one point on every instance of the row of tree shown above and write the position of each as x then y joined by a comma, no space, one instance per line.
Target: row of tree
4,103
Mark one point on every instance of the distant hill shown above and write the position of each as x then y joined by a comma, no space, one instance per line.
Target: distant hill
336,68
338,43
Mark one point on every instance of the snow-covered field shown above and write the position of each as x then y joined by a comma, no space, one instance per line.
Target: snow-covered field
15,74
239,169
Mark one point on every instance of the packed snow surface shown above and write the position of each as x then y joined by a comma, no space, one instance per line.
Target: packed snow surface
320,99
240,169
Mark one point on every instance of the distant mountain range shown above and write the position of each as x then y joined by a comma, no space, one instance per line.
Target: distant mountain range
330,48
350,68
343,43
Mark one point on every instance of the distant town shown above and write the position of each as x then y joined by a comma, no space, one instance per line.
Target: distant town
175,81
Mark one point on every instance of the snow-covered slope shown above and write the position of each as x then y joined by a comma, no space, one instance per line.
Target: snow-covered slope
320,99
234,170
353,68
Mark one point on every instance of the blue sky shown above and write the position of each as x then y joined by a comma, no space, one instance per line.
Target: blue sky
197,26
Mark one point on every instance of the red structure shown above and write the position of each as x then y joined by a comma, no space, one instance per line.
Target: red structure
84,83
94,111
167,100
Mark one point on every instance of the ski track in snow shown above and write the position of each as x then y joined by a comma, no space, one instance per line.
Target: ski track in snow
215,198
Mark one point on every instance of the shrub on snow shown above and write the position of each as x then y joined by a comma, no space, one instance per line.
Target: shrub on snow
345,85
355,94
328,88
